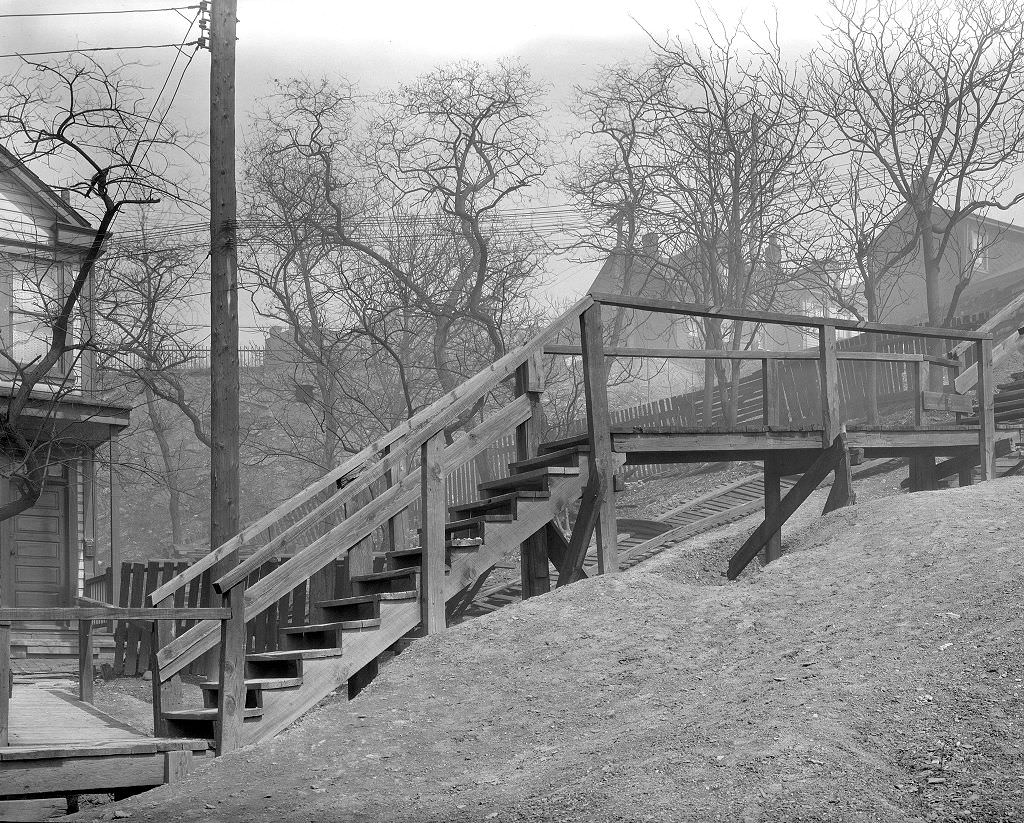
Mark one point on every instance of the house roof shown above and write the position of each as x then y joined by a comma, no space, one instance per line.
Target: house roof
65,212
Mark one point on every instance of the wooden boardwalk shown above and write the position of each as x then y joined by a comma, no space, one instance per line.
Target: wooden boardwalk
60,746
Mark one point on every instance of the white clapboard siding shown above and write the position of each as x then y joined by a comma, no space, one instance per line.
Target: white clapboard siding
23,216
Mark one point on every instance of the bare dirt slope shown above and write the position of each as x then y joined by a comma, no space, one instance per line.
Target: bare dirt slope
874,673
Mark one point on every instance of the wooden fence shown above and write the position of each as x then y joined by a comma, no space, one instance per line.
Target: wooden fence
137,580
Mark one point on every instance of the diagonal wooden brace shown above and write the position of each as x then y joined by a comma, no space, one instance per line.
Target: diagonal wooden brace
583,529
827,462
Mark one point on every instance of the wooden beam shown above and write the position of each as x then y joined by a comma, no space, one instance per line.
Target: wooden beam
558,550
231,701
828,370
595,384
807,483
968,378
583,531
432,513
986,409
774,318
167,694
1011,309
841,494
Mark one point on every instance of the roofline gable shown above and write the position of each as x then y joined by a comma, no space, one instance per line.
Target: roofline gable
65,212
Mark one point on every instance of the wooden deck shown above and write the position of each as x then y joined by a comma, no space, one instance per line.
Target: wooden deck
60,746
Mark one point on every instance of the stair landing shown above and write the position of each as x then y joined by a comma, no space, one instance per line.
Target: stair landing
81,750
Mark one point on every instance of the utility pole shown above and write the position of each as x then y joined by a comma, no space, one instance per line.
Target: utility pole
224,485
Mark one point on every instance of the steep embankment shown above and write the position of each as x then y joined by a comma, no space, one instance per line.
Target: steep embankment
874,673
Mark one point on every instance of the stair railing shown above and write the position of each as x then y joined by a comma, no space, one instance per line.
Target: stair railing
284,528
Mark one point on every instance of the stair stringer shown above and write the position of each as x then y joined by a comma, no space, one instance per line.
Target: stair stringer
321,677
532,515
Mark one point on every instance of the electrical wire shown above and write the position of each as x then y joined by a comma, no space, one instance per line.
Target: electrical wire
100,48
98,11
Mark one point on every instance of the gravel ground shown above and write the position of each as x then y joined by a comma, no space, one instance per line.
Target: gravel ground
873,673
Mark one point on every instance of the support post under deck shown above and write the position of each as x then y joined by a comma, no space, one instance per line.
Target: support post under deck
533,553
986,410
595,384
772,497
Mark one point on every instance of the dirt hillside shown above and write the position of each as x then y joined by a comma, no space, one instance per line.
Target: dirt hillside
874,673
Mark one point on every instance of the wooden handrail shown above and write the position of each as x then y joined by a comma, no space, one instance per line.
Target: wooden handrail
752,354
415,430
990,325
9,614
779,319
185,648
506,418
968,378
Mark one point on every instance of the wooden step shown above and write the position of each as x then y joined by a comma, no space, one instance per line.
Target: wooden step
561,457
201,723
390,580
207,714
498,504
476,526
563,443
411,558
312,636
260,683
359,607
536,479
294,654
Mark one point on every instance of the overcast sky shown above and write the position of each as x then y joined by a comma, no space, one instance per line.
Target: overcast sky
377,44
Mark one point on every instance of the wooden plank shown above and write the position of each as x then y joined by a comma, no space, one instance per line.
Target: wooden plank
59,776
153,572
141,614
986,410
133,634
841,494
558,551
968,378
177,765
808,482
595,385
533,555
775,318
828,370
1010,310
947,402
432,539
413,432
743,354
231,702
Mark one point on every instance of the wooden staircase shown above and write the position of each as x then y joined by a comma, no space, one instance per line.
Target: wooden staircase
332,640
357,631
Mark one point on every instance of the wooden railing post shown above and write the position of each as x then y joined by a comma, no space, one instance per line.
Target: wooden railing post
397,525
534,573
986,410
595,384
432,520
231,707
85,656
6,679
828,368
167,694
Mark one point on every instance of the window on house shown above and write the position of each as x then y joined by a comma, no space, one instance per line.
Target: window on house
36,289
976,249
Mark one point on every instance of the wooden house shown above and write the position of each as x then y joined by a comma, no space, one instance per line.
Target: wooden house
48,552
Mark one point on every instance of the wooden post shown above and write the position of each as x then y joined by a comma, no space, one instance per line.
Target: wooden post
85,656
231,709
986,410
167,694
922,466
828,368
397,525
6,679
115,514
533,553
432,517
772,497
771,388
595,385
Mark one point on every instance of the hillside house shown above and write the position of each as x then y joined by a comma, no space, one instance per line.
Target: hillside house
47,553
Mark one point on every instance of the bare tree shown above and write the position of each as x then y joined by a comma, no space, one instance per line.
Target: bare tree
933,95
89,124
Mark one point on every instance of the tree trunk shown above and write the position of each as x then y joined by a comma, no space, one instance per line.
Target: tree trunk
170,472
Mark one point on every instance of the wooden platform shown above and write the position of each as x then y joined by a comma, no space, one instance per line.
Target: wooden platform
700,445
61,746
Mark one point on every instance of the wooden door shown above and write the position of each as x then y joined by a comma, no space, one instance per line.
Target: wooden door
39,548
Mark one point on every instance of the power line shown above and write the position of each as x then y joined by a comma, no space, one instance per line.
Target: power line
102,48
98,11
